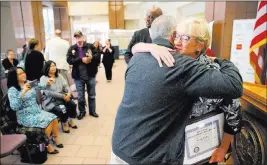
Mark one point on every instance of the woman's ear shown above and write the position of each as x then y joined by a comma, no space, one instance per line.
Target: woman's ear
200,46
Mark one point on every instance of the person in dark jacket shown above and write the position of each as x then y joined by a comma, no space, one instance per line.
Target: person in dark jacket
157,102
143,35
34,61
108,59
99,49
10,61
83,58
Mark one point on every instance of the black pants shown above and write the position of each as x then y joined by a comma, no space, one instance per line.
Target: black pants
68,110
108,70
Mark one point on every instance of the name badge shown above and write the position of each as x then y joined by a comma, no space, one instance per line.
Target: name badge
202,138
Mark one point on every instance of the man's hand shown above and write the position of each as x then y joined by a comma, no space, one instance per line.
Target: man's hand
162,53
218,155
85,60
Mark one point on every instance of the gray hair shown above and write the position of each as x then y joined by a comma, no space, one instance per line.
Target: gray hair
162,27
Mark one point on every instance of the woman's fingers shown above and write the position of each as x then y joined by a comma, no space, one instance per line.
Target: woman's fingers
159,61
171,56
166,60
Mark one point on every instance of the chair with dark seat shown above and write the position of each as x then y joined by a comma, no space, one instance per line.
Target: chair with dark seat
4,87
10,143
39,98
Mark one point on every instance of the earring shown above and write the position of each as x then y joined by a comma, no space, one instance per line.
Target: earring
197,52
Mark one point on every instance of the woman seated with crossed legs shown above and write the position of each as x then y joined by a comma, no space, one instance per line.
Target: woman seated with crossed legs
57,100
22,98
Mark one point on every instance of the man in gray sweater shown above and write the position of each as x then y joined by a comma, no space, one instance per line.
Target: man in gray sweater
157,102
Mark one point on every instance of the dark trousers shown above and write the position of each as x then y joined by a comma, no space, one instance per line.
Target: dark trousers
108,70
65,111
90,85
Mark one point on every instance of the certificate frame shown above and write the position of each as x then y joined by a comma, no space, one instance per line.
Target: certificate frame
213,119
216,122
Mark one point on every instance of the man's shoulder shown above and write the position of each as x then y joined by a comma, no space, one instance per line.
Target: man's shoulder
73,46
142,31
142,57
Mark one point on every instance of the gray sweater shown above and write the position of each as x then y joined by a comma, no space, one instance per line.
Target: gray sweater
54,96
157,102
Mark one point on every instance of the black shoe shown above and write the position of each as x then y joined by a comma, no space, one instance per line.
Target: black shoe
65,131
94,114
60,146
81,115
54,152
74,127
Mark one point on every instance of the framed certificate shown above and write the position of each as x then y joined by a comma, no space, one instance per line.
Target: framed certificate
203,137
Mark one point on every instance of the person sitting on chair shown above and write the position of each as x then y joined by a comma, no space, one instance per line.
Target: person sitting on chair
57,100
22,98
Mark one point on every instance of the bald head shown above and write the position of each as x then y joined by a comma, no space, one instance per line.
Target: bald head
152,14
58,32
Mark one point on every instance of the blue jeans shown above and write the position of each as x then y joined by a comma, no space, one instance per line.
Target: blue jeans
80,86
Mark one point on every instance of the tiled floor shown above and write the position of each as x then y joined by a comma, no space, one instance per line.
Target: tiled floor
91,142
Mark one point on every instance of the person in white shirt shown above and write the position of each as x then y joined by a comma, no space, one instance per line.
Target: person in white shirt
56,50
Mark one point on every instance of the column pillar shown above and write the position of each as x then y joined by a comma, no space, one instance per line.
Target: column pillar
116,15
223,14
61,18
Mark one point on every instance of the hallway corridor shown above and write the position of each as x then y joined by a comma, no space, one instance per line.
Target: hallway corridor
91,142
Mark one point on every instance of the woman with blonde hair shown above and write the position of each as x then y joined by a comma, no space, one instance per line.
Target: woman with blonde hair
192,38
34,61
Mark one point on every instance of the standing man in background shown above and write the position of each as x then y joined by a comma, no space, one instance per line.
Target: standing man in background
56,50
83,57
143,35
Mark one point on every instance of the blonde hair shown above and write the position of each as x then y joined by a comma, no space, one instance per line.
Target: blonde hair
32,43
197,28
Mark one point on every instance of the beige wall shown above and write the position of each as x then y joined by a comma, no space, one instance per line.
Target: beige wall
87,8
89,19
8,40
131,24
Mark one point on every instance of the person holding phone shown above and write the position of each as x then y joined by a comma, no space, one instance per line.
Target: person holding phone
22,98
57,99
